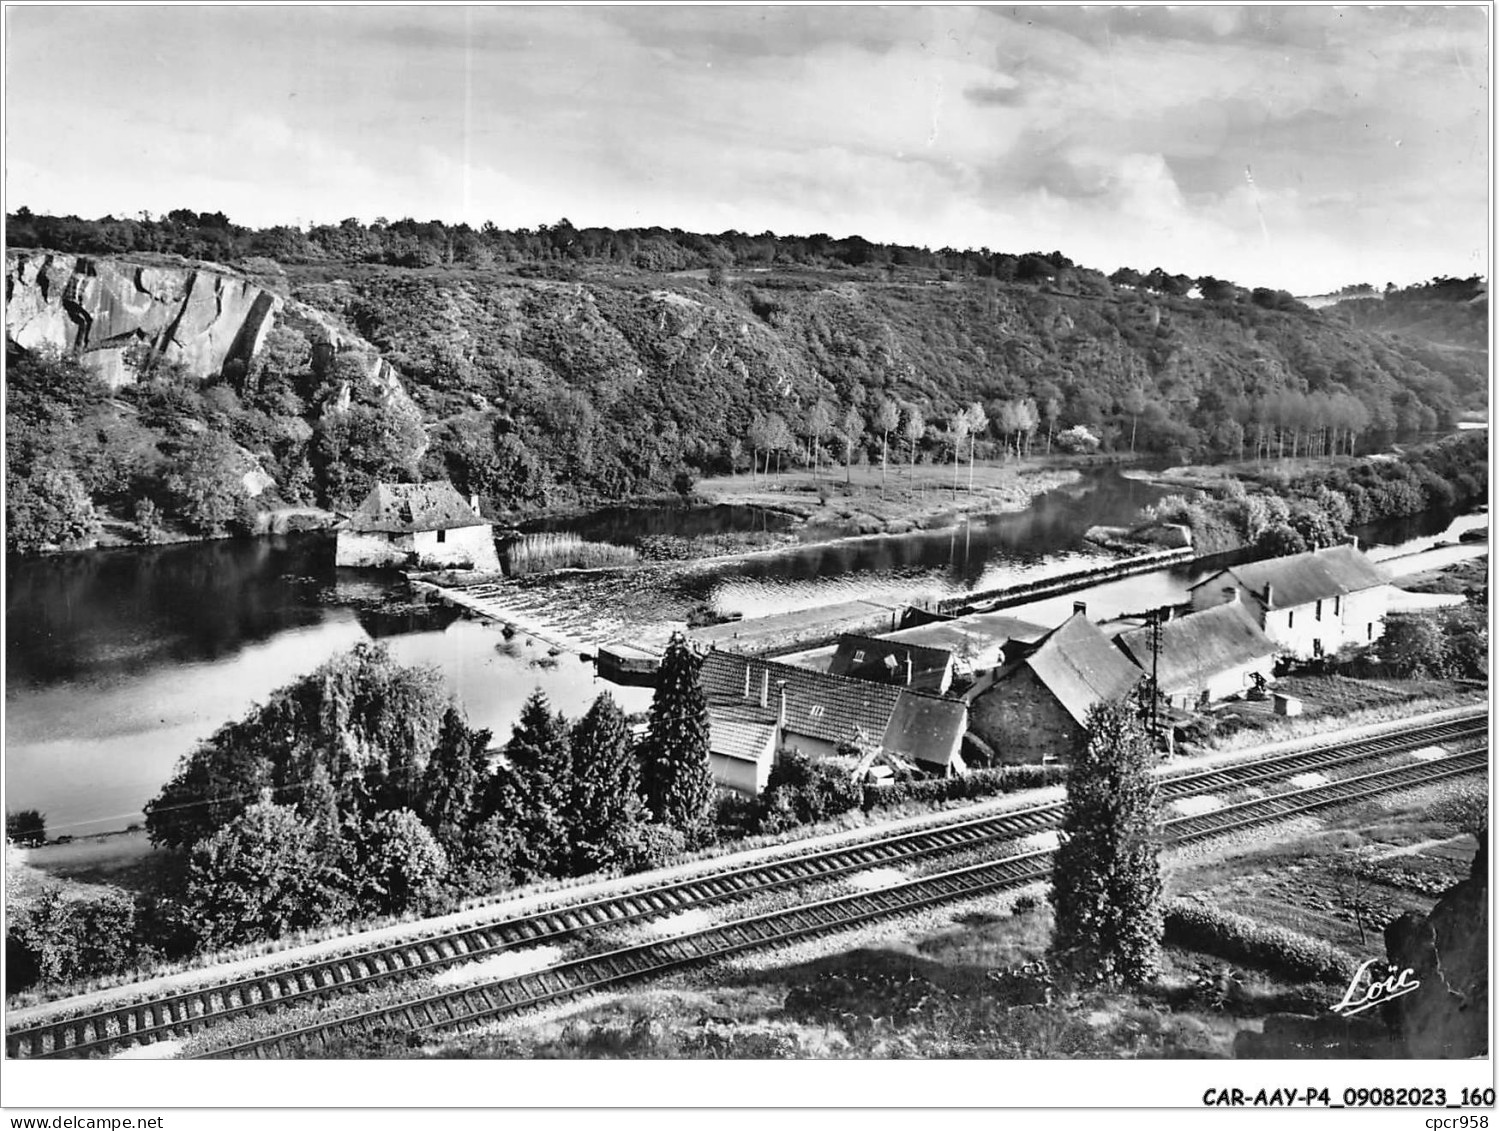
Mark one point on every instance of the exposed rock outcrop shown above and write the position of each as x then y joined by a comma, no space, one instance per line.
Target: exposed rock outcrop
101,307
1449,952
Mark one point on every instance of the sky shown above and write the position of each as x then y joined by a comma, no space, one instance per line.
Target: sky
1297,147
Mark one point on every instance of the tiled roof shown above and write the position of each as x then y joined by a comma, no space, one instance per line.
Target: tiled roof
404,508
889,661
740,730
926,728
828,707
1201,645
1080,666
1301,578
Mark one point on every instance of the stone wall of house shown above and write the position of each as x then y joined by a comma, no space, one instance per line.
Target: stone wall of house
467,547
1022,721
374,551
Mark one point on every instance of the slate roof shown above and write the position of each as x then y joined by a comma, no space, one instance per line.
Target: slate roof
884,660
1079,665
1201,645
1302,578
925,728
405,508
818,705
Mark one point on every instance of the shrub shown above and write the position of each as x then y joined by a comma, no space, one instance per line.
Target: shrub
1196,926
979,783
655,846
56,940
803,790
26,827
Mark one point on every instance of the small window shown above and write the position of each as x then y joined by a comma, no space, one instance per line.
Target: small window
859,656
1319,610
1291,620
1337,606
1369,632
1316,648
442,535
817,711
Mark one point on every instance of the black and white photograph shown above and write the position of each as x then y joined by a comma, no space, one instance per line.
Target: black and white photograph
902,535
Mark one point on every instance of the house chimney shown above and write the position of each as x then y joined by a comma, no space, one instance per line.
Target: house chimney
1353,541
1230,594
1079,608
781,716
910,670
746,680
473,501
1269,595
765,687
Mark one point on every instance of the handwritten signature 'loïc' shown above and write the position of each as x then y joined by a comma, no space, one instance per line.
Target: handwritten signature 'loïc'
1367,991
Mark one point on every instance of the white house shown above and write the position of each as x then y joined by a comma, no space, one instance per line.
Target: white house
1309,604
425,525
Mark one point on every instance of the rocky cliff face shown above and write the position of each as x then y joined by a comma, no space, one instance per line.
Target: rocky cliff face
100,308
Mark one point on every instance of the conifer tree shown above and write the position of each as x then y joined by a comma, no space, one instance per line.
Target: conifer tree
1106,874
674,755
604,811
454,783
533,792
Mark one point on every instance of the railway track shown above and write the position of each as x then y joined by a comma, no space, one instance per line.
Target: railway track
187,1012
463,1007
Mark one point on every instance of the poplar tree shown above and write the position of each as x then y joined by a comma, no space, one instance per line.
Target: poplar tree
674,754
604,809
1106,873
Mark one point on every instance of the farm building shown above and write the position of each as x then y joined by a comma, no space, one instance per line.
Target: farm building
1309,604
757,707
417,524
1206,656
886,660
1036,707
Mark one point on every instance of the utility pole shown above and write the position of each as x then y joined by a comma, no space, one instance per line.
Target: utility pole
1156,617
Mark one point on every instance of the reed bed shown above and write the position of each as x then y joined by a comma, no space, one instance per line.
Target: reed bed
542,553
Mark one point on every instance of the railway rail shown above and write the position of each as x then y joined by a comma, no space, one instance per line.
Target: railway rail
190,1011
487,1001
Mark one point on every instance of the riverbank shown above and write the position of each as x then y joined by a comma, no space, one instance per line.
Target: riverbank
861,501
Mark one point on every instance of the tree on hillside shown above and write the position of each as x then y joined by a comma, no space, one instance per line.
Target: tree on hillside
604,810
977,421
536,786
886,420
819,420
1106,873
778,439
674,753
912,429
957,432
850,431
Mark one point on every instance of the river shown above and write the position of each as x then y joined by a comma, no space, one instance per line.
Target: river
119,661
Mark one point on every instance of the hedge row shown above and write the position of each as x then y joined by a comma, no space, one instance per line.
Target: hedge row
1238,938
979,783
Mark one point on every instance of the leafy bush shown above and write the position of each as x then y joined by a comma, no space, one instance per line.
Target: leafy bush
979,783
52,939
1197,926
803,790
26,827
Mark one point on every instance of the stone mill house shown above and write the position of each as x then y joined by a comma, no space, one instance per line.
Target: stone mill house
423,525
